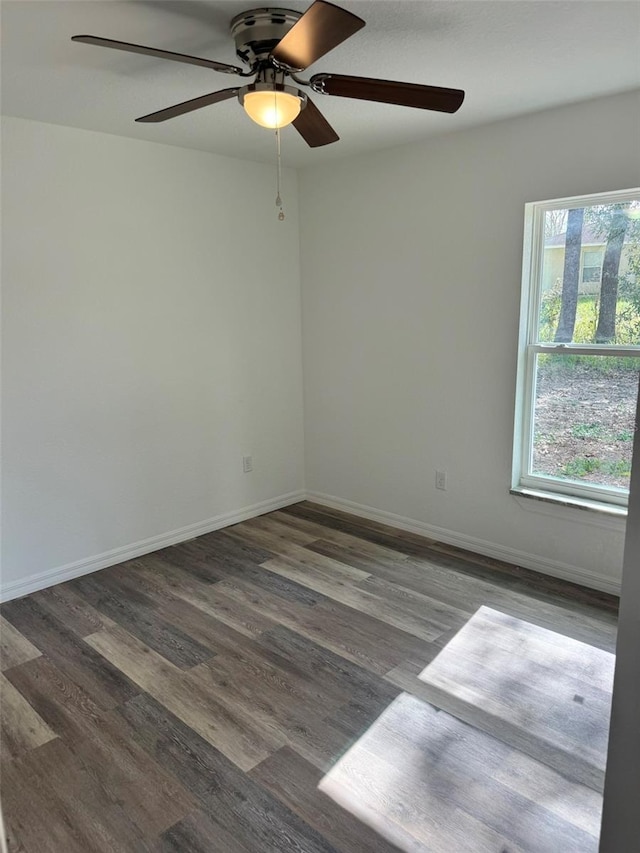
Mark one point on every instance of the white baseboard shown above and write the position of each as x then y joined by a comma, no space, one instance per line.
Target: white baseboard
33,583
554,568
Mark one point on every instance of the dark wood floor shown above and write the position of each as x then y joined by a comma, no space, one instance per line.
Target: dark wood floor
194,699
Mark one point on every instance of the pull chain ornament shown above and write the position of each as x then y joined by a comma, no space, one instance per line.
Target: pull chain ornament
278,177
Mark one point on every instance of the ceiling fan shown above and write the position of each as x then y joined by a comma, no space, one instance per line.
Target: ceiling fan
276,45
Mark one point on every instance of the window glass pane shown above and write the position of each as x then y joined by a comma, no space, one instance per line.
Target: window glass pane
583,420
590,275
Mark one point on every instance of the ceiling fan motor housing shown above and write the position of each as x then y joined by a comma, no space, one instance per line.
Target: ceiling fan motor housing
257,32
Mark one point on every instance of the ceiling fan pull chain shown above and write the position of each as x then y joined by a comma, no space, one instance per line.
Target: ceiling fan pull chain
278,177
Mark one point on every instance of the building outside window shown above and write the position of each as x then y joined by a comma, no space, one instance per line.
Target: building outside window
579,353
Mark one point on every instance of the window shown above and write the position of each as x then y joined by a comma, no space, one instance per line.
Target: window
592,265
579,353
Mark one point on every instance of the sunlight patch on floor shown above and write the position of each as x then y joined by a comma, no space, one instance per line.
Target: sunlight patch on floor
512,763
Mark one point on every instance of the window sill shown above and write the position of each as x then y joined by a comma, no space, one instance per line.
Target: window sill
603,509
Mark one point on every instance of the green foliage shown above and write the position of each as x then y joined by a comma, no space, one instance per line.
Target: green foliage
629,282
587,431
618,468
581,467
601,220
584,330
550,365
545,438
627,318
550,305
597,431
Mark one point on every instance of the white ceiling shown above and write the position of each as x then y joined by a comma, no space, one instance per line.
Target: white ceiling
510,57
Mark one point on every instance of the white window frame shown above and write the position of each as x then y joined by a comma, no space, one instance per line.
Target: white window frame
529,348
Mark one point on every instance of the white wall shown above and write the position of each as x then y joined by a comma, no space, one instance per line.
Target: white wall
411,262
151,337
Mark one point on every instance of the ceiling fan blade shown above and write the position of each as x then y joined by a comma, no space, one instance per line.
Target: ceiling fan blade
313,127
161,54
189,106
322,27
389,92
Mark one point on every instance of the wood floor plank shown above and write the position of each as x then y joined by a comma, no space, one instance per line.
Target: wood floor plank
241,737
35,819
353,628
306,559
412,612
103,682
295,783
268,672
14,648
142,665
268,594
143,621
534,781
276,584
100,740
79,811
284,717
449,584
406,676
421,548
355,718
301,565
301,556
168,585
230,798
354,635
279,530
221,547
545,587
230,611
65,707
192,559
422,576
330,671
21,728
362,555
195,591
346,542
457,586
371,531
157,578
196,833
154,799
214,633
71,609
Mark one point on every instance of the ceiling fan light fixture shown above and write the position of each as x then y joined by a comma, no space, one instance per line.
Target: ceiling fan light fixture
272,106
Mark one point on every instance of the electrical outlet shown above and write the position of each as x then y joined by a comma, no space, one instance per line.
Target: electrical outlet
441,480
247,464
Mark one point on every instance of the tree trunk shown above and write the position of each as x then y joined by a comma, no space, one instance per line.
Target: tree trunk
571,276
606,331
